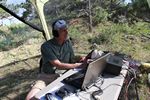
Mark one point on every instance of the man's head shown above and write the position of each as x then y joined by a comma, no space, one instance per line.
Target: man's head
59,27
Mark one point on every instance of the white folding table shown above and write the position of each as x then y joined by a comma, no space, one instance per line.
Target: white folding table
111,87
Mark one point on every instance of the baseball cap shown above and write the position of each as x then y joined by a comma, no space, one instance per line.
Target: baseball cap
60,24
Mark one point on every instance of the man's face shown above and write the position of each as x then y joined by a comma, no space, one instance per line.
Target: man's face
63,34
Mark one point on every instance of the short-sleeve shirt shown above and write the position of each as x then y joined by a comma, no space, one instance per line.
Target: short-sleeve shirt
51,50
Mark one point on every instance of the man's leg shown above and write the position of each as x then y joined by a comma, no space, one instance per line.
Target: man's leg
38,86
42,81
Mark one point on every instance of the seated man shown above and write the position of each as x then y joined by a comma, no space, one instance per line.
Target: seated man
57,56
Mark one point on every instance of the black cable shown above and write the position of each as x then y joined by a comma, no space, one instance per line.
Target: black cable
137,95
98,92
129,71
135,82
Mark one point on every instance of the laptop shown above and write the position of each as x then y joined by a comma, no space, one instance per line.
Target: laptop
85,78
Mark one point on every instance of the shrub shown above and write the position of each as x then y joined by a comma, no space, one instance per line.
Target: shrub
100,15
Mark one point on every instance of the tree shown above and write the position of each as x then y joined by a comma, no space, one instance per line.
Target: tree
140,10
3,14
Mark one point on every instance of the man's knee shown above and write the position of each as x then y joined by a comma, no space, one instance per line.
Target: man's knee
32,93
38,86
42,81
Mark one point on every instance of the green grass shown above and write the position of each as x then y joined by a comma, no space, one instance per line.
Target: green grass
15,35
124,38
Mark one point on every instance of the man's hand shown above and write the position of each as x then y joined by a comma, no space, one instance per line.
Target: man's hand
82,59
82,65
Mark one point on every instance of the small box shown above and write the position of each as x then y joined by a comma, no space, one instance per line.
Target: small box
113,65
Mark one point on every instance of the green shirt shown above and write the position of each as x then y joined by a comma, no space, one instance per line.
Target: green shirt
51,50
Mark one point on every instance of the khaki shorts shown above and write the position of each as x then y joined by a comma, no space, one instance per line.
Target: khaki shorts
43,80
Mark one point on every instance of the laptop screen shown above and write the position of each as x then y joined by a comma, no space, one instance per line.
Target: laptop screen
94,70
85,78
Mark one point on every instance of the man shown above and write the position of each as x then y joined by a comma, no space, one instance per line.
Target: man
57,56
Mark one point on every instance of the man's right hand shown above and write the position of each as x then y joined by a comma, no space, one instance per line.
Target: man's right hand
82,65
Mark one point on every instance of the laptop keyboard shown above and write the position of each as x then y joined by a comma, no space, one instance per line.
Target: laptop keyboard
75,80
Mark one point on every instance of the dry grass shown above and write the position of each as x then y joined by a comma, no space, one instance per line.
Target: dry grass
15,79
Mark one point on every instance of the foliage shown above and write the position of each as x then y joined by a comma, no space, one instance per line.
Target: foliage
99,15
75,31
3,14
139,28
140,9
140,5
29,12
107,33
15,36
12,7
130,39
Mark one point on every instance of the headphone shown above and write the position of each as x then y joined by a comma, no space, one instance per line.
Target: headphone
55,32
57,25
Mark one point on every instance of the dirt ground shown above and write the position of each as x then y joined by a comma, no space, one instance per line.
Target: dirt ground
18,69
15,83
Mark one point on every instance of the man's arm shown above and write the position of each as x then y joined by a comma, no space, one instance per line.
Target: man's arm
61,65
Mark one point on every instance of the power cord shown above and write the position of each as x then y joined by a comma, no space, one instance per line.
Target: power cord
133,73
96,93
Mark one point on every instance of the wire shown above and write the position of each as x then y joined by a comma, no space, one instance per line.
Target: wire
95,93
135,83
97,83
129,83
137,95
99,91
133,72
